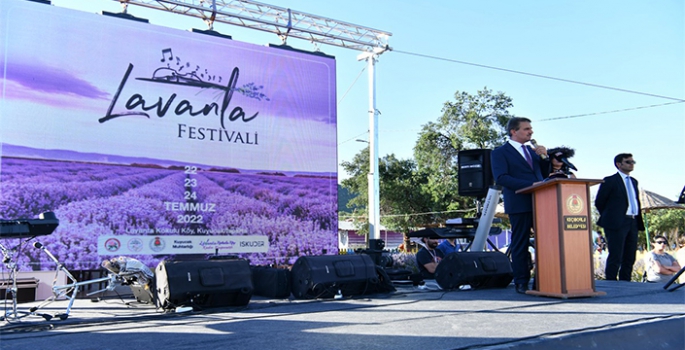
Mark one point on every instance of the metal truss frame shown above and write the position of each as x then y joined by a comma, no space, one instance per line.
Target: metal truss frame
283,22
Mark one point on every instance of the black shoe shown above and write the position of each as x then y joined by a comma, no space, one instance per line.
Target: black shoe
521,288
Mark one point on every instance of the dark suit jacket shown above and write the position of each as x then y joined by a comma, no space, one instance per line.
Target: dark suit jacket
513,173
612,203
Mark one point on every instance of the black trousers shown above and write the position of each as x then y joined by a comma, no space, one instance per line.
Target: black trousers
521,224
622,245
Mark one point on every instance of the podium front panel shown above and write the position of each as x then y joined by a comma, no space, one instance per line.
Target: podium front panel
547,240
563,244
563,238
576,227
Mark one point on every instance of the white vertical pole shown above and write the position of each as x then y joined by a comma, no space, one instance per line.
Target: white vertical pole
374,189
373,176
485,221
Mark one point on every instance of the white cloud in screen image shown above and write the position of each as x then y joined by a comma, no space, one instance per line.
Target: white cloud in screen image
58,89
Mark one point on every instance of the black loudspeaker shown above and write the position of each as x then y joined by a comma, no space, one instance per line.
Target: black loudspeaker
271,282
203,284
323,276
477,269
475,172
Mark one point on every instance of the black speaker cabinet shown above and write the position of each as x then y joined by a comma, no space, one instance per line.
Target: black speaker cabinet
323,276
203,283
271,282
477,269
475,172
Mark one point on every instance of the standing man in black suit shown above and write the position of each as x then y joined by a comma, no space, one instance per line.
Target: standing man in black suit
516,166
618,203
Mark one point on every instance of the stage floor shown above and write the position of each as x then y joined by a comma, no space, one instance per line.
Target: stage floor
630,316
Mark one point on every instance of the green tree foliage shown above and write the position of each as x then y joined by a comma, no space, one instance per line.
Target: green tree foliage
344,198
474,121
665,222
428,184
357,185
468,122
404,199
400,192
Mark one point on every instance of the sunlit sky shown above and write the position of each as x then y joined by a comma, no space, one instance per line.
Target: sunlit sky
635,47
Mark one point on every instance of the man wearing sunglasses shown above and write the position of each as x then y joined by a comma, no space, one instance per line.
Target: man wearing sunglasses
620,214
660,265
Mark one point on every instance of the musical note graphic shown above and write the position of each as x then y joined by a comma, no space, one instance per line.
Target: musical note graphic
198,77
171,55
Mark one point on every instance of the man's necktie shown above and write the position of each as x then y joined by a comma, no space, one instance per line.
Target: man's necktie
528,158
631,196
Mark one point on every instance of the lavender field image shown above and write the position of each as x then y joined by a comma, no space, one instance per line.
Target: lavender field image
297,214
152,142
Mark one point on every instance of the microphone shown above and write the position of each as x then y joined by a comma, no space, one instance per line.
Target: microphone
568,164
535,144
52,257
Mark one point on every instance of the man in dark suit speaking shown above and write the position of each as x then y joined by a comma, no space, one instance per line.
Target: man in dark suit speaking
618,203
516,166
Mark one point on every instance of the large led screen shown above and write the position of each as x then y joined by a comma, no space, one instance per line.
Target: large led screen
153,143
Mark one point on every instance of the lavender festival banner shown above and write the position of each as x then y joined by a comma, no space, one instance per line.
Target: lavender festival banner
149,136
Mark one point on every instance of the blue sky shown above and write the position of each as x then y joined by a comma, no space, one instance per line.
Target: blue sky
624,44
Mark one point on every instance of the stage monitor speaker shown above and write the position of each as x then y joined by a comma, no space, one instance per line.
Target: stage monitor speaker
203,283
477,269
323,276
475,172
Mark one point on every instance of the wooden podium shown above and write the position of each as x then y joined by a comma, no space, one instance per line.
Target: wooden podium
563,238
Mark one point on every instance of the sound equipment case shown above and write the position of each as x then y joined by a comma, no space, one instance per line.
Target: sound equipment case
477,269
205,283
323,276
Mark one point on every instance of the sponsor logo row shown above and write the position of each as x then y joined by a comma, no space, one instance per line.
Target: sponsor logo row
118,245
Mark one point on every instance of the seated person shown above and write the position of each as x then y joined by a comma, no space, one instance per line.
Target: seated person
659,265
449,246
428,257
